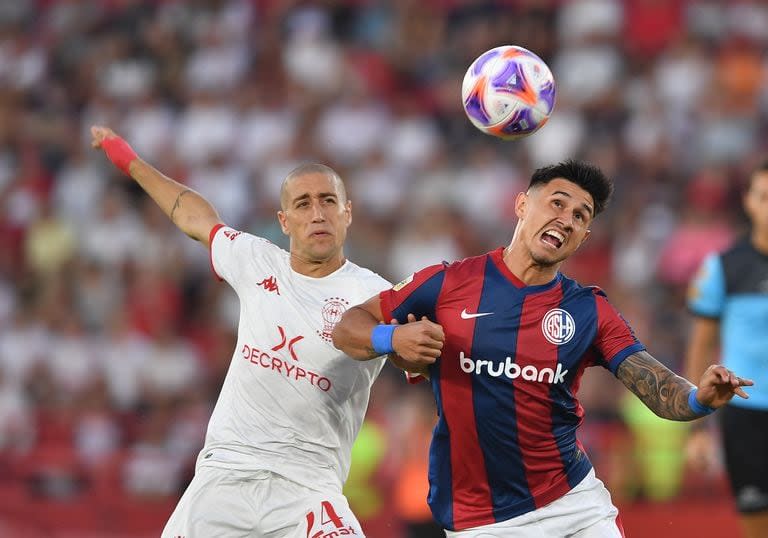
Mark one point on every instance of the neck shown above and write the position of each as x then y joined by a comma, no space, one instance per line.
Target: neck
760,240
316,268
526,268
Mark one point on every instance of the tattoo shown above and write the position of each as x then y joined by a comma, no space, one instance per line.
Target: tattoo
665,393
177,204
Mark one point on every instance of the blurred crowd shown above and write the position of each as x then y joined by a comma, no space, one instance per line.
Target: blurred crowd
114,335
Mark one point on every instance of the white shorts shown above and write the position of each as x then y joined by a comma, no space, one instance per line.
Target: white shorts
259,504
584,512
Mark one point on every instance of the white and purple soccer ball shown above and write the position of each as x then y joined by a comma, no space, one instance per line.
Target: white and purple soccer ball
508,92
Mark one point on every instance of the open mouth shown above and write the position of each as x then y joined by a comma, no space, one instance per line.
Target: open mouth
553,239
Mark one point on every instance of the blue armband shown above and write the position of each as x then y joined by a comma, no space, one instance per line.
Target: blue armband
696,407
381,339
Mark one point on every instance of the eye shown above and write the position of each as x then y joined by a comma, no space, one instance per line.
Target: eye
330,200
557,203
303,203
580,216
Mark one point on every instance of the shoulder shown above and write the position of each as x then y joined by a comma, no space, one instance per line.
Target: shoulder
471,264
572,288
239,243
590,301
740,252
370,279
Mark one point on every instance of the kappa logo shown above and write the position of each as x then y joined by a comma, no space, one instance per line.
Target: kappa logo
270,284
558,326
467,315
231,234
290,343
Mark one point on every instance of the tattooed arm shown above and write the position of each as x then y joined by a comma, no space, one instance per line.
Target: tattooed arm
666,393
187,209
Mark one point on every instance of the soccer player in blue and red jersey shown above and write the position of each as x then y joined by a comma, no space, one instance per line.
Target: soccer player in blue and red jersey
505,338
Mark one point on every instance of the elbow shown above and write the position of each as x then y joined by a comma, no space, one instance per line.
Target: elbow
341,339
337,338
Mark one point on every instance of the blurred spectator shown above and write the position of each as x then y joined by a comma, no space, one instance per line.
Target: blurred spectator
703,228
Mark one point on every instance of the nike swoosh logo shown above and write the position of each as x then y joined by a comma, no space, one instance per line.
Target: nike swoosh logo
467,315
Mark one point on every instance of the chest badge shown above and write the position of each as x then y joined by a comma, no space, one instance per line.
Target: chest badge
558,326
332,311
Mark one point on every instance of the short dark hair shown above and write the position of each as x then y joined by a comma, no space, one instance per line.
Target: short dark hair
587,176
312,168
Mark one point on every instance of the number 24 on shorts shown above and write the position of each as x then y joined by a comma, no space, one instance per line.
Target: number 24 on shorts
327,516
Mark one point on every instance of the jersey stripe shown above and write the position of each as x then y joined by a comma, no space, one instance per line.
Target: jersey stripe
537,442
568,417
615,336
418,296
495,396
473,506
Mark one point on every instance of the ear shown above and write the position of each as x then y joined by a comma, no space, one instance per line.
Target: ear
521,204
348,212
583,239
283,221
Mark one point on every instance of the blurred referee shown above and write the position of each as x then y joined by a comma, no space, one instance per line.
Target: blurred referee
729,299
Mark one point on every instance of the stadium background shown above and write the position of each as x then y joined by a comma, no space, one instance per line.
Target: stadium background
114,337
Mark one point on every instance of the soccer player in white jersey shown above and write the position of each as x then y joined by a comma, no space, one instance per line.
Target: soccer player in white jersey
278,445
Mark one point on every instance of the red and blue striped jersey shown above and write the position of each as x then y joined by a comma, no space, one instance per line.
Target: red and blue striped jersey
505,385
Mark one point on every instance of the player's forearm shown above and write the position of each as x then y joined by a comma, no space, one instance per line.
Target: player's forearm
352,334
701,348
660,389
697,358
699,355
187,209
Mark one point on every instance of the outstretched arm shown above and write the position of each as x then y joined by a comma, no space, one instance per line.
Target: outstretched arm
187,209
667,394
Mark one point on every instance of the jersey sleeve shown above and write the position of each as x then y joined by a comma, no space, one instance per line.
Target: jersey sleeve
706,293
615,340
233,254
415,295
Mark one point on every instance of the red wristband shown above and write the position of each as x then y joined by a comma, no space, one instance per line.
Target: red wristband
119,152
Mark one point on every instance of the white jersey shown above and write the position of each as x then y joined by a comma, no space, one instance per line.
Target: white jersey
291,402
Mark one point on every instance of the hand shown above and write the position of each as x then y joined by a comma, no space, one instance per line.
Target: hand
701,451
404,365
417,343
718,385
115,148
99,133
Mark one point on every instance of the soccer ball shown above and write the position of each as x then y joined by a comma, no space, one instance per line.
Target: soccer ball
508,92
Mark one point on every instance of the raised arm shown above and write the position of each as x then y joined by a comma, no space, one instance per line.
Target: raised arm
671,396
417,343
187,209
